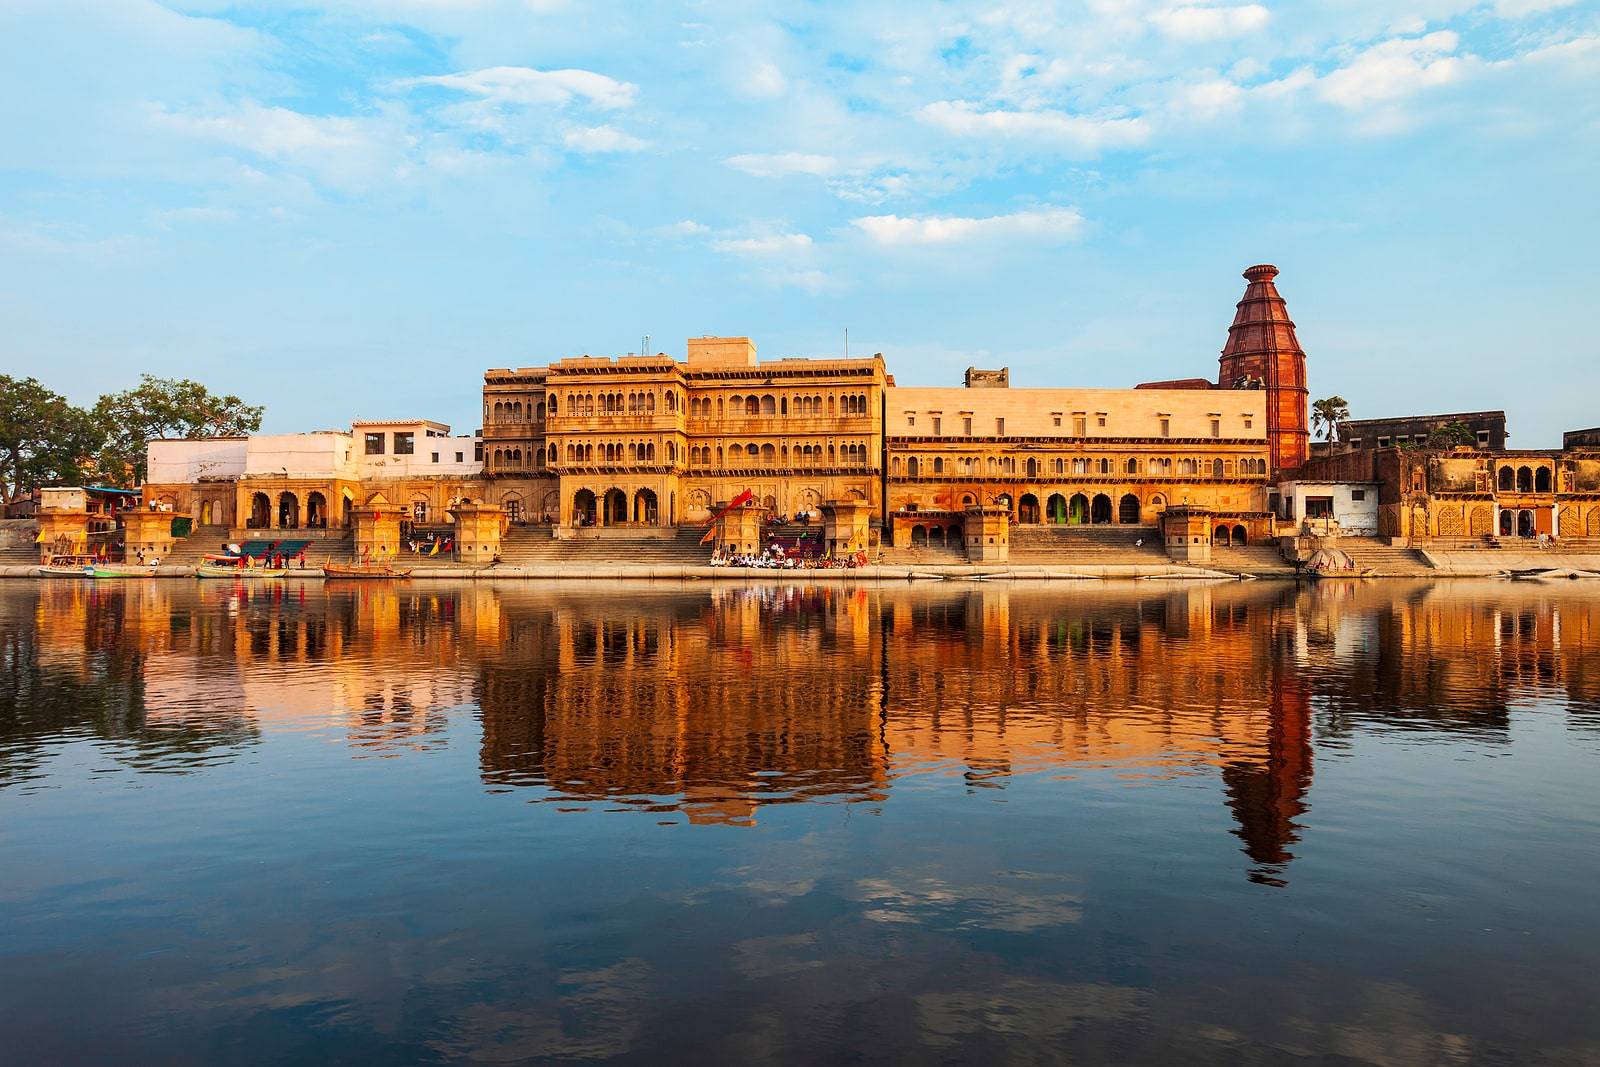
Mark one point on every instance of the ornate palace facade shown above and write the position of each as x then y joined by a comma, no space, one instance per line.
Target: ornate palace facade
652,442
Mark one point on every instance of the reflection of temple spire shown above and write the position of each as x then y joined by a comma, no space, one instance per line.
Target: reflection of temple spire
1267,796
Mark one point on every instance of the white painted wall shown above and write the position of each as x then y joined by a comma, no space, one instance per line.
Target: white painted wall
1352,515
420,464
182,462
325,454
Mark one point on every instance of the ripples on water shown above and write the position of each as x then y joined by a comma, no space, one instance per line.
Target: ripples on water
1351,823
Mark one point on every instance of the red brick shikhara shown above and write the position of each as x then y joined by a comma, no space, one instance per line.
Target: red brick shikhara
1263,352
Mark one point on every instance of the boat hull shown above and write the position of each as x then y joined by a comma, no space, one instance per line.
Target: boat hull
120,571
239,573
357,570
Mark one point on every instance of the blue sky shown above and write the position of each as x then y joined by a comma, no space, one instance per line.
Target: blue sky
349,209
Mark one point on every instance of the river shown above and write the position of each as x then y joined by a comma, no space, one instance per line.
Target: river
1080,822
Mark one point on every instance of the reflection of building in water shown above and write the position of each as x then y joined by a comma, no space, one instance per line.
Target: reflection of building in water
753,699
1002,682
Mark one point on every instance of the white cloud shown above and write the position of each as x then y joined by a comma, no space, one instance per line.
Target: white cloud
1202,22
1393,69
601,139
779,244
784,164
525,85
348,152
682,228
764,81
1048,225
1076,132
1517,9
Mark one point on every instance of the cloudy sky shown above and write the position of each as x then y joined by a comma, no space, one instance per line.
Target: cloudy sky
349,209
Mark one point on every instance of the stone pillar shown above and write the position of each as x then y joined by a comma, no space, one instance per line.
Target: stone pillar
479,528
66,532
1186,531
148,532
846,526
986,530
377,535
740,529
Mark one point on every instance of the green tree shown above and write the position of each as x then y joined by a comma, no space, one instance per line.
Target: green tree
164,407
43,438
1451,434
1327,414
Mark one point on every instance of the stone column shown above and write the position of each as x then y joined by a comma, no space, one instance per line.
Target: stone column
54,526
740,528
986,531
377,534
1186,531
149,532
846,525
479,528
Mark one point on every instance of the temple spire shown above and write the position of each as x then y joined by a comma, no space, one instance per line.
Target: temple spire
1262,352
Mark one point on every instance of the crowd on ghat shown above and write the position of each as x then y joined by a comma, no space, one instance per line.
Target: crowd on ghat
775,558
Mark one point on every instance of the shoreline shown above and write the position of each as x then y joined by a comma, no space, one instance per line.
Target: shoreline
1543,566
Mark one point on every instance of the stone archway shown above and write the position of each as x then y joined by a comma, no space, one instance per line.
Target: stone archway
1055,509
1222,536
1239,535
1128,510
1078,509
1028,509
1524,523
260,512
1100,510
316,511
614,508
645,509
584,510
288,511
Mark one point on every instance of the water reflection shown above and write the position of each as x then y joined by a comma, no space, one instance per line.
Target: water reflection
711,704
1244,822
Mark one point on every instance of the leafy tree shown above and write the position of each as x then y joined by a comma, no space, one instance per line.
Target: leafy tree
1451,434
164,407
43,438
1327,414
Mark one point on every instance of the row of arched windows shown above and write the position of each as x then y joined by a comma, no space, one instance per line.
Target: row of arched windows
613,452
502,458
847,455
618,403
738,405
1033,467
1524,479
516,411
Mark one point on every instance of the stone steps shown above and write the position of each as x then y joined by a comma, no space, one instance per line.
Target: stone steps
1087,545
523,546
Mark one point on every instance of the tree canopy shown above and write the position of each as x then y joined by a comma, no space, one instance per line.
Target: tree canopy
164,407
43,438
1327,414
46,440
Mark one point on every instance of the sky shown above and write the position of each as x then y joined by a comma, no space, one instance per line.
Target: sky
350,209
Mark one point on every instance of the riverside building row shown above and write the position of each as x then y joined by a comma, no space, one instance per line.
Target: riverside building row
585,446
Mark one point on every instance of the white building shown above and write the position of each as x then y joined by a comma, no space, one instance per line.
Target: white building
1352,506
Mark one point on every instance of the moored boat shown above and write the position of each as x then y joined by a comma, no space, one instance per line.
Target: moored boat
120,570
364,570
67,567
215,566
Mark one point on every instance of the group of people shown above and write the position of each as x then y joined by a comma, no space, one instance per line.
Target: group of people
775,558
271,559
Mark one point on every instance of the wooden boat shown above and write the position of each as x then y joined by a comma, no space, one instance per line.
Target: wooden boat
233,570
365,570
68,567
120,570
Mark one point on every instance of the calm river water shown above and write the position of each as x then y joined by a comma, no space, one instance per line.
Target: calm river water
1077,823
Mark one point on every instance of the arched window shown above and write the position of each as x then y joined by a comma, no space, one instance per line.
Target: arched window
752,405
769,406
1541,480
1132,465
